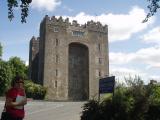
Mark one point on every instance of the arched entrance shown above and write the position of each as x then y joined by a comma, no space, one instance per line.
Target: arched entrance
78,83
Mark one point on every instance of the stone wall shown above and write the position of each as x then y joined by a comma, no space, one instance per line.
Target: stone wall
34,59
72,58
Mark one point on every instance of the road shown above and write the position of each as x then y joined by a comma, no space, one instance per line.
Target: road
42,110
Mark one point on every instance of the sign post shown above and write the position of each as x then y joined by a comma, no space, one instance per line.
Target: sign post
106,85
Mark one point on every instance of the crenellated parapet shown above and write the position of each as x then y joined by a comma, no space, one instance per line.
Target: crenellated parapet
34,39
90,25
96,26
55,21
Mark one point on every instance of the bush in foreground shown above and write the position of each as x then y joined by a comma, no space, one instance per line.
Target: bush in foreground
34,90
135,101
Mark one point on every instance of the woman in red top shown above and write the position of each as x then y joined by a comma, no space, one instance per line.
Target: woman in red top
16,99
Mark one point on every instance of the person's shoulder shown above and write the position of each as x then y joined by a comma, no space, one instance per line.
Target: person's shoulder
10,91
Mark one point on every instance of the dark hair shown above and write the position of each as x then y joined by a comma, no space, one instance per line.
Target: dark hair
16,79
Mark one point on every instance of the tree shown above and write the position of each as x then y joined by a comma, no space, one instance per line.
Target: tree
154,94
5,76
24,4
134,101
153,7
0,51
18,67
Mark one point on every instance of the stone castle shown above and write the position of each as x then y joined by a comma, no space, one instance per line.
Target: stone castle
69,58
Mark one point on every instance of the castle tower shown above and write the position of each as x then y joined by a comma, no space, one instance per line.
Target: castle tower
72,57
33,59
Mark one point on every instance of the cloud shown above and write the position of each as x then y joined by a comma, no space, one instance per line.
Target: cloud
155,77
48,5
27,63
121,26
149,56
67,8
153,36
119,71
119,57
122,72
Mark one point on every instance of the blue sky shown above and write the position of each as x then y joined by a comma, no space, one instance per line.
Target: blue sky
134,47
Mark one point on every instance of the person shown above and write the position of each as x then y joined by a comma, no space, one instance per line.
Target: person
16,99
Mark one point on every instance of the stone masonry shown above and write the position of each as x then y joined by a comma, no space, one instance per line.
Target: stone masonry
69,58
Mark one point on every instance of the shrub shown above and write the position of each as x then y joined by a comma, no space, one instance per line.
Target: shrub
153,112
135,101
34,91
91,111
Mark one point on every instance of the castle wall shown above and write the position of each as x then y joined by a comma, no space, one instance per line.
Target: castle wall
56,35
33,59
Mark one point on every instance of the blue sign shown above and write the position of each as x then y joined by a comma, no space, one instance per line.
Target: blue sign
106,85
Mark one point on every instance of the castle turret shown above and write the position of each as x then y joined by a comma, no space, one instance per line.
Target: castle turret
33,59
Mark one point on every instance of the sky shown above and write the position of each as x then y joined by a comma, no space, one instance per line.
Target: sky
134,47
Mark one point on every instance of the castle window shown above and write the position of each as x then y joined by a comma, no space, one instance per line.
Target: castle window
77,33
56,58
99,73
56,29
56,42
55,84
56,72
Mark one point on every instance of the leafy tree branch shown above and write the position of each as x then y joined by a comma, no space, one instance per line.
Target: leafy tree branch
24,5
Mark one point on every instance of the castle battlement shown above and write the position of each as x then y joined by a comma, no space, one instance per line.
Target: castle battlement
34,39
90,25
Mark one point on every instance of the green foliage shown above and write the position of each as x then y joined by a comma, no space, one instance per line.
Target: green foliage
5,77
8,70
18,67
135,101
125,102
91,111
34,91
153,112
0,51
140,94
24,5
154,97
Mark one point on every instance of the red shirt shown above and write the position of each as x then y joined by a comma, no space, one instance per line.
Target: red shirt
13,93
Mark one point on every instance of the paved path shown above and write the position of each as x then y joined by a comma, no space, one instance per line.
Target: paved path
40,110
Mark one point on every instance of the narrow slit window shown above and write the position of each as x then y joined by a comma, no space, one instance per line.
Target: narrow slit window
56,72
57,58
57,42
56,84
99,73
99,47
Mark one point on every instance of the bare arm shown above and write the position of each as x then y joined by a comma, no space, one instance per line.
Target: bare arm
9,102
